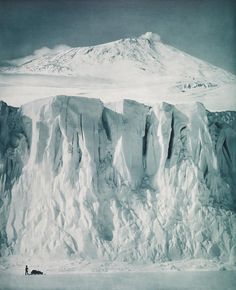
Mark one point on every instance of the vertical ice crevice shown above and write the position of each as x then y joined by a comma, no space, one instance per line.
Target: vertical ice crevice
171,140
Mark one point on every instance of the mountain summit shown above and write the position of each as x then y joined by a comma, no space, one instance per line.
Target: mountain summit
144,56
143,69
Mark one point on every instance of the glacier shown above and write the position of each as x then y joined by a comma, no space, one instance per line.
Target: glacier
122,182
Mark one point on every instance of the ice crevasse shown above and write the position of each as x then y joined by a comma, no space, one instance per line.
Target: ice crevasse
123,181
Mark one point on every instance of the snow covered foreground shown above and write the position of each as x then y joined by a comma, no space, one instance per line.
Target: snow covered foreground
128,183
123,281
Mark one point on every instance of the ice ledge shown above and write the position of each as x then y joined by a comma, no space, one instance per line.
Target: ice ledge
95,105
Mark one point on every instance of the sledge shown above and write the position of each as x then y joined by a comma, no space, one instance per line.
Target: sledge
36,272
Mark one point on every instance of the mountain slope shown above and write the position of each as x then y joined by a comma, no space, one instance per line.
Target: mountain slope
143,69
132,183
145,55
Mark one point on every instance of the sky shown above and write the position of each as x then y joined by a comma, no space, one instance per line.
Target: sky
202,28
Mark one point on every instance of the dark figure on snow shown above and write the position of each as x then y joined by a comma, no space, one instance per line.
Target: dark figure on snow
26,270
36,272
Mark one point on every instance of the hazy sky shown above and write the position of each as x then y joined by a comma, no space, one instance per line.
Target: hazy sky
203,28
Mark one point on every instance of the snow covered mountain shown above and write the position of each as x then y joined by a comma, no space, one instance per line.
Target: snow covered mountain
144,56
143,69
128,182
113,178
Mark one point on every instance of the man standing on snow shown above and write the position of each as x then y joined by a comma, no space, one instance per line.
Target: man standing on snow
26,270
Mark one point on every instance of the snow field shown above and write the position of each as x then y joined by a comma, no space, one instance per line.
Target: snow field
122,281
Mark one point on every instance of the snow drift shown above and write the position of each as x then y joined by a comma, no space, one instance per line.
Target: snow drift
129,182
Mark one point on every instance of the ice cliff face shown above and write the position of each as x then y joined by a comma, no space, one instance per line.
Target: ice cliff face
128,183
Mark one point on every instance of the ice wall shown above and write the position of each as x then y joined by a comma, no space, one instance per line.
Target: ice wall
128,183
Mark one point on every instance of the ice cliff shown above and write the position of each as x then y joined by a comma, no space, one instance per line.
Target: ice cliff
123,182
